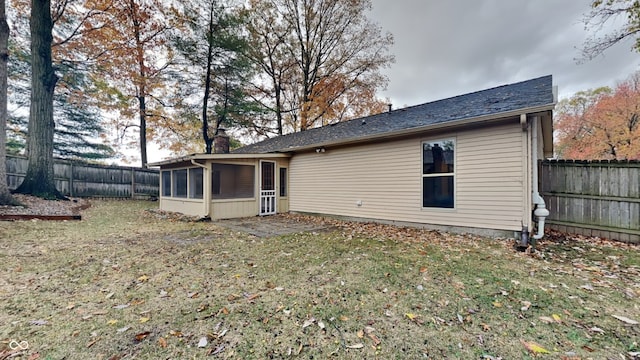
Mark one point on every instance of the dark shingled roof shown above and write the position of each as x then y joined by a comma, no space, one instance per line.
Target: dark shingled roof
503,99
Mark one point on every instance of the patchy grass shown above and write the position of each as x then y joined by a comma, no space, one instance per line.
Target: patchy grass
125,282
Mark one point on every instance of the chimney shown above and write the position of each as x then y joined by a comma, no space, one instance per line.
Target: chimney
221,142
390,106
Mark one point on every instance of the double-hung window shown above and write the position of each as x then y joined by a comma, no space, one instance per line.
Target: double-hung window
438,173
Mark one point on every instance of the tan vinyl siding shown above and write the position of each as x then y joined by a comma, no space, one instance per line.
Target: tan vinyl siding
191,207
387,179
234,208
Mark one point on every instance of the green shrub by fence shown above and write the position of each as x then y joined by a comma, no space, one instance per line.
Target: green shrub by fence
594,198
79,179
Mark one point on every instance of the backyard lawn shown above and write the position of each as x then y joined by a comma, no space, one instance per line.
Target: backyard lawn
126,282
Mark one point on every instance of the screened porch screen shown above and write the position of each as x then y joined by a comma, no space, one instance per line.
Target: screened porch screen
232,181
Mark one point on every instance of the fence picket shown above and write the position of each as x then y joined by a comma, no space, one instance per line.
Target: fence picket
595,198
90,180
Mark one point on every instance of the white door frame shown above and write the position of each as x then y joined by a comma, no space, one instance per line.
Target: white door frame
267,191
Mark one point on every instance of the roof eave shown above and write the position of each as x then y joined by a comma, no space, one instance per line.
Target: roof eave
414,130
230,156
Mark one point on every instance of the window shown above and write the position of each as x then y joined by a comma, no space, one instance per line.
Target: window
232,181
166,183
180,183
438,174
283,182
195,183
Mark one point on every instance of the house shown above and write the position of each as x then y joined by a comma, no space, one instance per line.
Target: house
462,164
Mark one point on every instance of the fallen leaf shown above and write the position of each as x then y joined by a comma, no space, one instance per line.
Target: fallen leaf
162,342
123,329
497,304
92,342
121,306
360,334
175,333
216,350
321,325
596,329
556,318
203,342
143,278
143,320
109,295
534,347
308,322
38,322
375,339
355,346
525,305
71,306
112,322
34,356
546,319
142,336
369,329
253,297
193,295
625,319
410,316
423,269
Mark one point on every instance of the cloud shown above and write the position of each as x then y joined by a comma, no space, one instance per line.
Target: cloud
447,48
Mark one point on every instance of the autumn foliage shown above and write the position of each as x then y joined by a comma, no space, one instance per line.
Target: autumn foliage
601,124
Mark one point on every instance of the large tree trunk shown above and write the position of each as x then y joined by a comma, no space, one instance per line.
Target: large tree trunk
5,195
39,180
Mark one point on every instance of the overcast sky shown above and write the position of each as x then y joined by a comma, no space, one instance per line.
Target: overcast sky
453,47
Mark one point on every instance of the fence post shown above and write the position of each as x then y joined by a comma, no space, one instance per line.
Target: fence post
71,179
133,183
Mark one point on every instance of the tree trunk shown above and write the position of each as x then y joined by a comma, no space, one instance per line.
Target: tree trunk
5,195
39,180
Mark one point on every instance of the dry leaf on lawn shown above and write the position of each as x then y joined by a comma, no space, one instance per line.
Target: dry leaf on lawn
626,320
355,346
162,342
141,336
534,347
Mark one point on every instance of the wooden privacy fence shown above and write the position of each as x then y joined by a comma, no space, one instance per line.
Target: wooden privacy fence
593,198
89,180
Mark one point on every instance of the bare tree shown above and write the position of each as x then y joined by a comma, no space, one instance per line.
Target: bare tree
604,12
39,180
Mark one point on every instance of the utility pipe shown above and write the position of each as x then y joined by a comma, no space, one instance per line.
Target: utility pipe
541,211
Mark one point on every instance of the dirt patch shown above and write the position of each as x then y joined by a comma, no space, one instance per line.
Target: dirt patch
275,225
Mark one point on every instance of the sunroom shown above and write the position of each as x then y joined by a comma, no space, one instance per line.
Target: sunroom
224,186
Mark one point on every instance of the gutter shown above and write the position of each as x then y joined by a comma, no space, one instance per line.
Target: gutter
541,211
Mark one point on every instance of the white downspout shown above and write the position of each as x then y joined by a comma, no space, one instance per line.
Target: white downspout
205,194
541,211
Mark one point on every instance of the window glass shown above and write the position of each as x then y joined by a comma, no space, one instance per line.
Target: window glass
283,181
180,183
195,183
437,157
437,191
166,183
233,181
438,176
